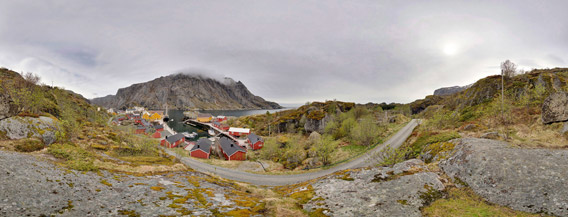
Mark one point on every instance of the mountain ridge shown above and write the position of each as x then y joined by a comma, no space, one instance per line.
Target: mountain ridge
185,91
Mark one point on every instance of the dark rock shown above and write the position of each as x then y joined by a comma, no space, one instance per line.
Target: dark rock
555,108
491,135
183,91
469,127
312,125
7,107
531,180
445,91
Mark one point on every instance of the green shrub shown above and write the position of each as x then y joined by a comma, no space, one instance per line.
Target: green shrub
429,138
388,156
29,145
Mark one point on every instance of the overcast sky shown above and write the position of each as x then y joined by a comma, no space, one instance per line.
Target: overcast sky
284,51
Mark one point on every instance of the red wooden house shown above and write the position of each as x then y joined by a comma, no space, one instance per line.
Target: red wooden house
157,135
159,128
140,130
234,131
173,141
231,151
202,149
220,118
221,126
255,141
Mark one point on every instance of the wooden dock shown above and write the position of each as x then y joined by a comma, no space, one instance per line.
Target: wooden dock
218,132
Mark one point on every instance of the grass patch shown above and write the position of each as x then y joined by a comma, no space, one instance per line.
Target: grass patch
29,145
464,202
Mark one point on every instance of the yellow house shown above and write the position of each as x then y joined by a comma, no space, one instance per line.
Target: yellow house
204,117
155,117
146,116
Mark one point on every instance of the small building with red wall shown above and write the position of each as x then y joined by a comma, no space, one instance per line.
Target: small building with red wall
202,149
231,151
220,118
255,141
157,135
221,126
173,141
140,130
159,128
234,131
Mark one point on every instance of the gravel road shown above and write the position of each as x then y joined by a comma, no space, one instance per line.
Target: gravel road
279,180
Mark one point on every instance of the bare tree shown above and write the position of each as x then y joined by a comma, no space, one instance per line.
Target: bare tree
508,68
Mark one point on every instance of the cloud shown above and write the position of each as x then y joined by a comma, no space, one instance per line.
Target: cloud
284,51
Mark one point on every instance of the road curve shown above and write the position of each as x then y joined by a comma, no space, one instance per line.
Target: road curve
278,180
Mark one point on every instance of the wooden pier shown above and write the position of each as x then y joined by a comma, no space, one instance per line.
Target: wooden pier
218,132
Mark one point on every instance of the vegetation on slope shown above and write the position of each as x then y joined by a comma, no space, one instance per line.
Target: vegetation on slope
84,140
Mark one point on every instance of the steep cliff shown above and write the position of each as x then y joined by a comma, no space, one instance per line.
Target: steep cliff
184,91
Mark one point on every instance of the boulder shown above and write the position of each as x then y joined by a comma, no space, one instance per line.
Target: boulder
7,107
491,135
397,191
531,180
43,128
313,125
555,108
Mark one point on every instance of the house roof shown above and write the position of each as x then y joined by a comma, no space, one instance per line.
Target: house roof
239,130
174,138
216,123
204,115
203,144
254,138
141,128
229,147
158,126
166,133
145,123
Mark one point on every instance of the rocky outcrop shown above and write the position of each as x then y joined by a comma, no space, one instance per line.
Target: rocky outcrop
183,91
531,180
7,108
43,128
445,91
555,108
313,125
397,191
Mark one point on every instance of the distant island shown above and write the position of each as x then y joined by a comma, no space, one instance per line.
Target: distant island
187,91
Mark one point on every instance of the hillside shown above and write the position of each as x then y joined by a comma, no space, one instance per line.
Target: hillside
182,91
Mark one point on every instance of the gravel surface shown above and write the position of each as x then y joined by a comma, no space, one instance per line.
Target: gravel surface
31,186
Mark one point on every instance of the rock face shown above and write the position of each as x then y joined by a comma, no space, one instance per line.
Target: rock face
32,187
531,180
397,191
182,91
42,128
555,108
7,108
313,125
445,91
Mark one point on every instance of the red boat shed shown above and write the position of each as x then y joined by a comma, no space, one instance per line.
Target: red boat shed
234,131
173,141
255,141
202,149
231,151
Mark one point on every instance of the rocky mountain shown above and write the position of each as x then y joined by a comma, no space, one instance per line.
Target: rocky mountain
445,91
183,91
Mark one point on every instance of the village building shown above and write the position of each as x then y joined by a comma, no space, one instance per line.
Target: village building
204,117
156,116
173,141
235,131
157,135
146,115
140,130
159,128
220,118
202,149
230,150
255,141
223,127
